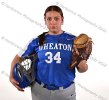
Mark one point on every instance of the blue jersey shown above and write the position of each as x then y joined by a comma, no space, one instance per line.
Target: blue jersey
54,58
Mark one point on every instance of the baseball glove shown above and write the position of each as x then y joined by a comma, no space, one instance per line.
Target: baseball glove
82,48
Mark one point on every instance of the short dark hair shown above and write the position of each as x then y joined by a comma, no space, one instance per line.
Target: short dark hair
54,8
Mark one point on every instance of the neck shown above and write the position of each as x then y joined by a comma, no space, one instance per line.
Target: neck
55,32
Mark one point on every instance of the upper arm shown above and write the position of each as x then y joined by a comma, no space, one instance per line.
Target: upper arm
29,48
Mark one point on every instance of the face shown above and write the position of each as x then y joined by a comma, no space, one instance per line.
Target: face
53,20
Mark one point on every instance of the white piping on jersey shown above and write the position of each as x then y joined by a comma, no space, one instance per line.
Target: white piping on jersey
68,36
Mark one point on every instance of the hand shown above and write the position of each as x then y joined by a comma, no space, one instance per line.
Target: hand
82,66
15,83
82,49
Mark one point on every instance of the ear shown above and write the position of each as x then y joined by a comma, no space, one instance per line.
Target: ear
45,20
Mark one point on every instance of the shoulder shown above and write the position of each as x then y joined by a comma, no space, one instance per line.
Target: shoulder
69,35
33,41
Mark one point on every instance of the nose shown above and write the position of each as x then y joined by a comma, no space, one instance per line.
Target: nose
53,21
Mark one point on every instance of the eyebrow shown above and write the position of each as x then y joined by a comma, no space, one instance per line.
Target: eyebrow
54,16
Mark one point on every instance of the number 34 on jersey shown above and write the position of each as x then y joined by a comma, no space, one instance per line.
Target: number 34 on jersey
50,57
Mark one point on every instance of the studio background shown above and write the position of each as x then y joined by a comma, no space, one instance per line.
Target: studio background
22,20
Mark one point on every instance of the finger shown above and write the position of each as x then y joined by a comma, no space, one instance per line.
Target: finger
16,82
13,81
20,89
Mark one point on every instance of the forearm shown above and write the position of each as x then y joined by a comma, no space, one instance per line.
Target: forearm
82,66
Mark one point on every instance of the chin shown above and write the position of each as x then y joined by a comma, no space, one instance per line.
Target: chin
54,31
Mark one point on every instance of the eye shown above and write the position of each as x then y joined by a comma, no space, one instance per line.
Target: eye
56,18
49,19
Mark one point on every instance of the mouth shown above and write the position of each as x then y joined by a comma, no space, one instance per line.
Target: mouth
53,27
